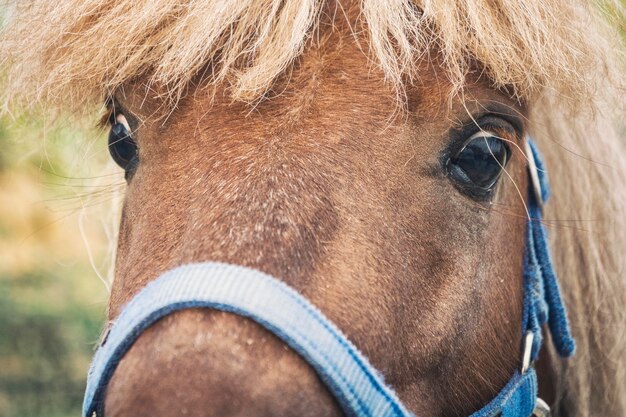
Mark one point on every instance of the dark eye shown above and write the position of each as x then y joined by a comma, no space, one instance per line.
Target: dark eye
122,146
477,167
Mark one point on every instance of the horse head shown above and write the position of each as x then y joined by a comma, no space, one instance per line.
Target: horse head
370,155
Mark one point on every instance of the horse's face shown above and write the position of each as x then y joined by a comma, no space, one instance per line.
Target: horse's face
389,225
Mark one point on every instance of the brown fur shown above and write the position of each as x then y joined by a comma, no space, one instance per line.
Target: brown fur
423,293
319,185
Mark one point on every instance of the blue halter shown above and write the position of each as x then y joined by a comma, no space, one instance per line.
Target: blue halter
358,387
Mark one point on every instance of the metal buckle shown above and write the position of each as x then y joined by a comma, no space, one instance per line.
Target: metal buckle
104,336
541,409
528,347
533,173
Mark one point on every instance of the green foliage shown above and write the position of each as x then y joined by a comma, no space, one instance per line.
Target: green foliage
44,349
51,301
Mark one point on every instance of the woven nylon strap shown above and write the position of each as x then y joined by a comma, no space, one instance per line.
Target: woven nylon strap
358,387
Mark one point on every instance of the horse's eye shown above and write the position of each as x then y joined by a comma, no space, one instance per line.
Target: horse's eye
477,167
122,146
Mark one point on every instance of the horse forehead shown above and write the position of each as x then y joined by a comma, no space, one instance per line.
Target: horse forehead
334,85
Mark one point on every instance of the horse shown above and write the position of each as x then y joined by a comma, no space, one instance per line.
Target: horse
369,154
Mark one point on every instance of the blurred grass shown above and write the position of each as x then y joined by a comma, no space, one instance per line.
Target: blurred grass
54,199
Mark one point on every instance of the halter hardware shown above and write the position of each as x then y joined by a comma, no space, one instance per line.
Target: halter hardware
528,346
541,408
533,173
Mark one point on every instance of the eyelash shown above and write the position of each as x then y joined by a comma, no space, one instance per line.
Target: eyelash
498,124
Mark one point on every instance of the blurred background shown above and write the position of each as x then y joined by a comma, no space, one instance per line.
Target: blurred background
59,208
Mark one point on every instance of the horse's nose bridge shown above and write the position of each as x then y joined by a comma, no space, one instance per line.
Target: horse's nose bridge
213,363
273,215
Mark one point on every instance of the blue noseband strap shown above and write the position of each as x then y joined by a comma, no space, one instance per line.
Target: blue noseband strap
269,302
355,383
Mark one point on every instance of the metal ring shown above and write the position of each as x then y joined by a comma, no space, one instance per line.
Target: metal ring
542,409
533,173
528,347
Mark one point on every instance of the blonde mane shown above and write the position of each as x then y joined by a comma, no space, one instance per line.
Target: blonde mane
78,52
562,58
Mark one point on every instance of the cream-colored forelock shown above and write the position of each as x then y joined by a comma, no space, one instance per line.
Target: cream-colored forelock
75,53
